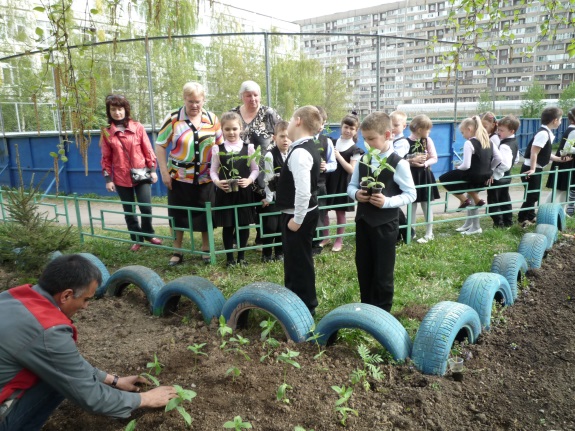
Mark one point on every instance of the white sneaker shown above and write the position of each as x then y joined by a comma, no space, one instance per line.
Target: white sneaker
472,232
463,228
425,239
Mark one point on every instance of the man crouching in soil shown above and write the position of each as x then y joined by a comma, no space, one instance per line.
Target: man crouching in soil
39,362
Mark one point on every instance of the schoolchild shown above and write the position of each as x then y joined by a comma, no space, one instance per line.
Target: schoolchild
421,156
347,153
273,163
478,154
230,161
489,122
328,165
563,180
377,214
498,196
296,197
401,147
537,156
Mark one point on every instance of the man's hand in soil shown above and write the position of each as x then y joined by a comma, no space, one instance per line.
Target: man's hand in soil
158,397
129,383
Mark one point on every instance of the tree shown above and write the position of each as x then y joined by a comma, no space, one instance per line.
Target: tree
567,98
533,104
485,102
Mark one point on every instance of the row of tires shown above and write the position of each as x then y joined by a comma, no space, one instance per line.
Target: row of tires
445,322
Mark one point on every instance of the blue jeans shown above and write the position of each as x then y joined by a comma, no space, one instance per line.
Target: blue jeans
143,194
31,411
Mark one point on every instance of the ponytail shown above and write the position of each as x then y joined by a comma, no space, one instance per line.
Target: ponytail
480,133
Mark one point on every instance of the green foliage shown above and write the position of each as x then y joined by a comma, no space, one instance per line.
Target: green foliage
567,98
196,349
270,344
154,380
281,393
533,104
313,338
237,424
374,154
370,368
176,403
234,372
342,404
287,359
239,341
131,425
156,367
29,236
485,102
224,330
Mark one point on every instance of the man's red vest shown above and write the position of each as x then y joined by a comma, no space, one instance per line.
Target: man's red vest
48,316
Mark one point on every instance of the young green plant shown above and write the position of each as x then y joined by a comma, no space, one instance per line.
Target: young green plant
341,405
196,349
287,359
238,424
370,368
176,403
314,337
234,372
270,344
224,330
374,154
238,341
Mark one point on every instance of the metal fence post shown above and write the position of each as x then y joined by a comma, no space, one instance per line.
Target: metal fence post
268,79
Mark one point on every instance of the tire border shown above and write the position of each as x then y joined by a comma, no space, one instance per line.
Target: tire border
511,265
532,247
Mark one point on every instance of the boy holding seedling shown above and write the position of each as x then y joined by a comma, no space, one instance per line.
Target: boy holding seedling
296,197
377,214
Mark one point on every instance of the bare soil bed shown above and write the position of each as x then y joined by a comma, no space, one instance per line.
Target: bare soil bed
519,376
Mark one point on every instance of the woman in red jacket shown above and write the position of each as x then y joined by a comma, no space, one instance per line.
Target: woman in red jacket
125,145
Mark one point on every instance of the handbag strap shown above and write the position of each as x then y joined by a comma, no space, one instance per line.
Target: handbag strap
127,154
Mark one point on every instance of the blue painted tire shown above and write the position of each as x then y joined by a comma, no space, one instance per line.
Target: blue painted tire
512,266
532,247
289,310
550,233
385,328
207,297
552,214
443,323
141,276
481,289
100,265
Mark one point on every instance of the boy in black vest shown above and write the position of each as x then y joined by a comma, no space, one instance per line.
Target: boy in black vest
273,163
296,197
377,214
498,196
537,156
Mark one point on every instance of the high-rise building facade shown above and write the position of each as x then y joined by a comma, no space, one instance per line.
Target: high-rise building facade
411,73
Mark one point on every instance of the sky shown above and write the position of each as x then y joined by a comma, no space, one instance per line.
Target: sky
292,10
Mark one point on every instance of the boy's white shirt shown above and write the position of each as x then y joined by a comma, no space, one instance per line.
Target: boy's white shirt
540,140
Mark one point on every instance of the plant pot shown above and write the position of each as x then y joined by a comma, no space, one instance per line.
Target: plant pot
455,364
273,183
376,190
364,186
234,186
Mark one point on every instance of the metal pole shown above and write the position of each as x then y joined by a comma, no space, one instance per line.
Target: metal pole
455,108
268,79
150,89
378,72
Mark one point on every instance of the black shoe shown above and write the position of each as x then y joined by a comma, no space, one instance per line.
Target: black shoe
242,262
180,257
279,257
316,250
230,263
267,259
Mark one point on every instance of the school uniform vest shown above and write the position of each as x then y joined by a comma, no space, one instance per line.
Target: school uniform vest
545,154
422,147
285,193
48,316
368,212
278,160
237,161
480,169
512,144
322,147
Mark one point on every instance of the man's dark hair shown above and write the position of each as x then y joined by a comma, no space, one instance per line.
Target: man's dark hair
551,113
70,271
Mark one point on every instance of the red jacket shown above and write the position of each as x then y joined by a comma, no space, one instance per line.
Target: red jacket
118,145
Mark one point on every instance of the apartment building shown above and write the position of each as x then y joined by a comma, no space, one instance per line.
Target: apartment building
409,72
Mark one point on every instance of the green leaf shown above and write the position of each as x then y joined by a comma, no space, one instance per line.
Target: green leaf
39,9
64,159
94,11
53,154
174,402
185,415
131,426
39,31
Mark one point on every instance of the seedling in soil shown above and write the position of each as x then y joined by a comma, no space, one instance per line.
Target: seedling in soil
196,349
240,341
370,368
156,367
341,405
176,403
314,337
224,330
234,371
237,424
131,425
153,379
286,358
298,428
269,343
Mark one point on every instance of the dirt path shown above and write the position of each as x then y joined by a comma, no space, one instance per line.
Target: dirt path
520,376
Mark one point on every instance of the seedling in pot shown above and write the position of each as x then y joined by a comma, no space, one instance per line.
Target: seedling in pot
368,183
176,403
341,405
237,424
